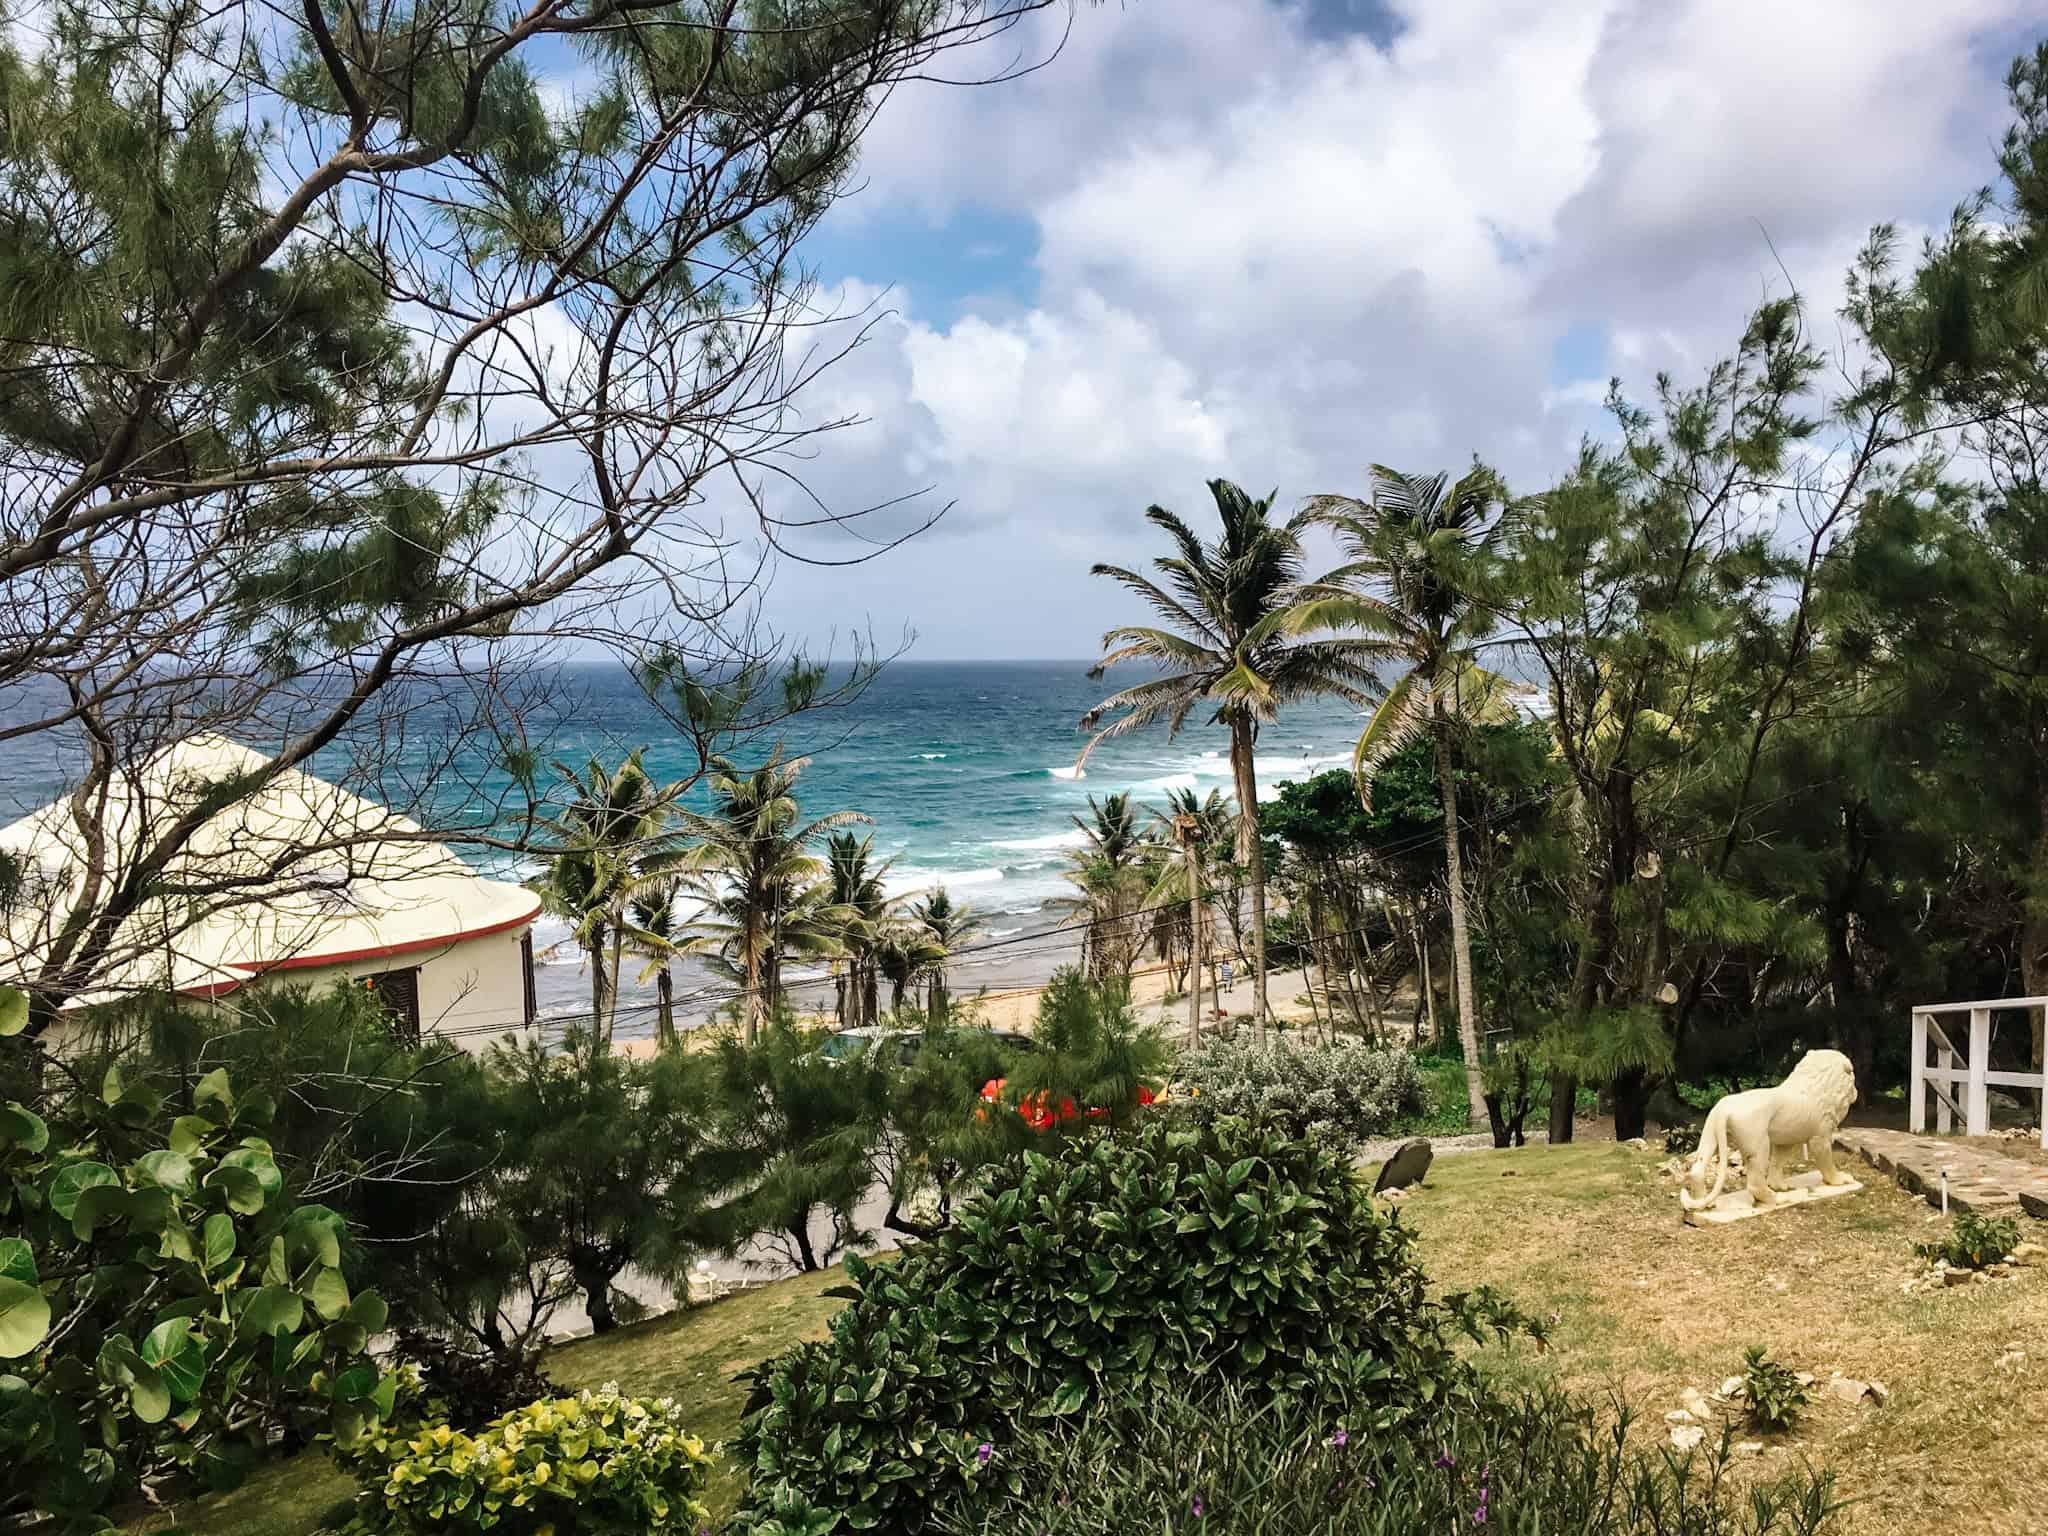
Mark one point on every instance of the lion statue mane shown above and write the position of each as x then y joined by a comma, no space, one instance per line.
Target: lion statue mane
1769,1125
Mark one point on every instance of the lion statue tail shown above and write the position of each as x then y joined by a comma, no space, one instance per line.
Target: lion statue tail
1713,1144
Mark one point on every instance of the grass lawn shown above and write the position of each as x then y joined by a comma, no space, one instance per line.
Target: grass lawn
1644,1305
1650,1306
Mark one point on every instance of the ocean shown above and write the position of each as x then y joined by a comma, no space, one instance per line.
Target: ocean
965,768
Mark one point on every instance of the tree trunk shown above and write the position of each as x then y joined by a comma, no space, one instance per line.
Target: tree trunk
1564,1094
595,1281
1428,982
801,1235
1251,854
1852,1033
2034,931
600,988
611,1017
1507,1110
1631,1103
1461,940
1191,841
665,1015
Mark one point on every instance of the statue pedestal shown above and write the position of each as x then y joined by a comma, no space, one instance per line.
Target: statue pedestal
1736,1204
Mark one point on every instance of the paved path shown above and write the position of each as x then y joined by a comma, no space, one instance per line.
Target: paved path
1986,1182
1381,1148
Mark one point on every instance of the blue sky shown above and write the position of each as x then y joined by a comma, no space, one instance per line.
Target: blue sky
1279,242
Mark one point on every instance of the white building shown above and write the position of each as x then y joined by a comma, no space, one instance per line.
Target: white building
301,881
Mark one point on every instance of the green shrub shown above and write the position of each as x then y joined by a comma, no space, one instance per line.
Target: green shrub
1444,1109
1973,1242
1177,1253
435,1381
1229,1464
1510,1080
167,1309
1774,1394
597,1464
1347,1092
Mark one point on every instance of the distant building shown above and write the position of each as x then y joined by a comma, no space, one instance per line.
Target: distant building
301,882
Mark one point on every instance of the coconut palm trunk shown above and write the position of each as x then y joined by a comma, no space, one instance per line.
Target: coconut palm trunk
1461,939
600,979
1251,855
752,963
665,1007
1196,924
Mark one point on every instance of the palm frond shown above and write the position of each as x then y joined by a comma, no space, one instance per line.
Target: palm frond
1402,715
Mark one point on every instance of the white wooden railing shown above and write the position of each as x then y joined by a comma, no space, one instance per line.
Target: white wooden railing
1976,1079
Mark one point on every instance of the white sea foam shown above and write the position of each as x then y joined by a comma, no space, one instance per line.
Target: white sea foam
1070,771
931,756
1002,933
552,944
914,879
1073,837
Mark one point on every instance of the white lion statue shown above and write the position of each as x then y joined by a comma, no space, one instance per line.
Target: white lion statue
1769,1125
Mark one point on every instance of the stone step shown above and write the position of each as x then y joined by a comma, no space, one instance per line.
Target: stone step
1987,1183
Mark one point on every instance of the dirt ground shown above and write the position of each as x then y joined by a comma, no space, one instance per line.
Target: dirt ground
1648,1306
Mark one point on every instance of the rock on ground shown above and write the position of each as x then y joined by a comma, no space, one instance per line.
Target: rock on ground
1407,1166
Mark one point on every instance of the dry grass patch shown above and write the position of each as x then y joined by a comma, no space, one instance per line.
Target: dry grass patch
1649,1306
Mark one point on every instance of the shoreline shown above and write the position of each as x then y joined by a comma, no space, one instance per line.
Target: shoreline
1016,1008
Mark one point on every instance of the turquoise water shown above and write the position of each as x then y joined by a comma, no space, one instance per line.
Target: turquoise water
967,769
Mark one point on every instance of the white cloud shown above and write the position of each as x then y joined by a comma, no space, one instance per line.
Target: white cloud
1277,256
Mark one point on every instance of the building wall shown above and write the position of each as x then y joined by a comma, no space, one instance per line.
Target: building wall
472,991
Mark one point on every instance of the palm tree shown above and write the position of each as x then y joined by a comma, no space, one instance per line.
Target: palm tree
612,827
1187,828
759,881
652,934
857,888
904,952
1108,872
1415,554
1218,650
949,927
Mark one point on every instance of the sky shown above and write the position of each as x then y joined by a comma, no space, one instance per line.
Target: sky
1279,242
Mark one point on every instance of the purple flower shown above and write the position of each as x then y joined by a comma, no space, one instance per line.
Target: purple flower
1196,1507
1445,1461
983,1451
1342,1438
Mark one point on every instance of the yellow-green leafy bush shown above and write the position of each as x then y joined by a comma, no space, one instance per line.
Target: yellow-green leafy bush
597,1464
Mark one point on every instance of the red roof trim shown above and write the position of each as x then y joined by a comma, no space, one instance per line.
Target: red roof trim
350,956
